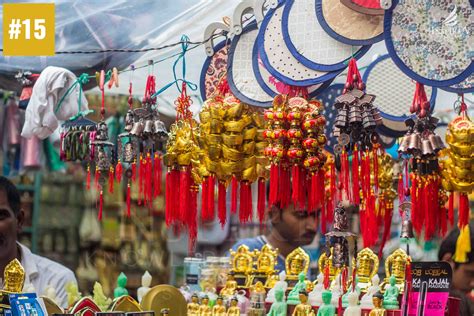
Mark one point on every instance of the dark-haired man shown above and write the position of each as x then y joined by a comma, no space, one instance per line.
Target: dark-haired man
39,272
463,273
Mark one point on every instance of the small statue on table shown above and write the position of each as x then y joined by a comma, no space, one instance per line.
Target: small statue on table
230,286
204,308
366,300
303,308
120,290
315,297
327,309
280,284
353,308
279,306
378,310
233,310
193,307
390,297
294,295
219,308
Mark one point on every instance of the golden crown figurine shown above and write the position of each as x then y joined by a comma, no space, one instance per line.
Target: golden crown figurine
395,265
296,262
242,265
367,267
265,265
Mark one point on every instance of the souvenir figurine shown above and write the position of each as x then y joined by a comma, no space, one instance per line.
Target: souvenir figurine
315,297
233,310
266,260
193,307
120,290
73,294
99,297
293,296
146,282
230,286
395,265
366,301
164,311
242,263
204,308
390,297
367,267
345,297
14,277
336,291
353,308
327,309
279,306
303,308
280,284
378,310
219,308
296,262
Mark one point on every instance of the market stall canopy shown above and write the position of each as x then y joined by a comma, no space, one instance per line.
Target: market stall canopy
101,25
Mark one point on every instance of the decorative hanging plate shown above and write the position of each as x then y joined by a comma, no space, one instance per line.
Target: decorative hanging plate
394,103
277,58
430,41
273,86
308,41
164,296
348,26
240,74
213,70
371,7
466,86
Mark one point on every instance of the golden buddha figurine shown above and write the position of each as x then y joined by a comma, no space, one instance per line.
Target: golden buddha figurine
325,260
193,307
304,308
296,262
14,276
242,264
265,265
219,308
230,286
378,310
395,265
233,310
204,308
367,267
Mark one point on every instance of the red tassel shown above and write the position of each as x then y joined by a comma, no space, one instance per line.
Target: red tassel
204,196
128,200
451,209
168,198
192,220
184,189
387,222
141,181
302,189
261,200
245,210
295,175
118,172
355,176
211,196
284,195
326,276
463,210
221,203
274,181
96,178
157,175
345,176
401,189
233,201
134,171
111,179
88,178
149,181
313,193
333,191
376,169
323,220
444,221
101,205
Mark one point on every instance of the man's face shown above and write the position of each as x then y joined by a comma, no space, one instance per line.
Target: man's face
297,227
10,226
463,277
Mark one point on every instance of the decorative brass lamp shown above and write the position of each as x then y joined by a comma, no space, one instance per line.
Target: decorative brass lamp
296,262
242,263
367,267
395,265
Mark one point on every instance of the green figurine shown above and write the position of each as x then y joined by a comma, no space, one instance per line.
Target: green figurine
120,290
279,307
294,295
99,297
390,297
326,309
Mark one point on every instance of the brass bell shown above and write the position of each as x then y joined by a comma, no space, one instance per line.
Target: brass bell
137,128
407,229
436,142
148,130
355,115
426,148
414,142
404,144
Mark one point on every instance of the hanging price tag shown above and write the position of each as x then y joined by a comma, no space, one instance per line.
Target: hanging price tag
28,29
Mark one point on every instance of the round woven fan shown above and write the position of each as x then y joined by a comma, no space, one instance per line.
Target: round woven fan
466,86
213,70
394,94
277,58
364,6
348,26
328,97
431,41
240,74
308,41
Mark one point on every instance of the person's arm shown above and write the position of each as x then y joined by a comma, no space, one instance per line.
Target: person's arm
59,283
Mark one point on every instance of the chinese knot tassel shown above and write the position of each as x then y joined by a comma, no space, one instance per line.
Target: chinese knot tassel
192,220
463,245
134,171
148,182
221,203
387,222
211,196
245,210
401,188
345,175
451,209
233,197
295,175
284,195
118,172
204,197
96,177
101,204
355,176
184,190
274,180
157,175
261,200
88,178
128,200
463,210
111,179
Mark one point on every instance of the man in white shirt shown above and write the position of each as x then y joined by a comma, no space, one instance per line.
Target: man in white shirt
39,271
